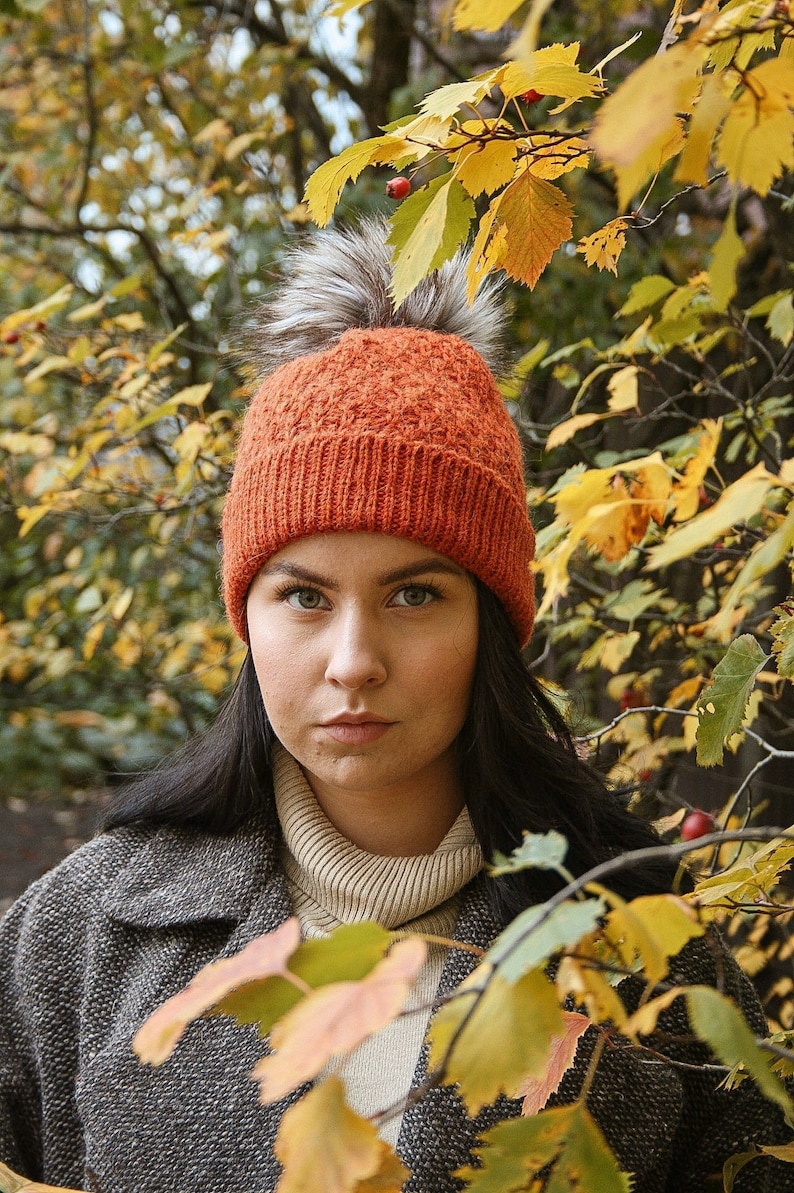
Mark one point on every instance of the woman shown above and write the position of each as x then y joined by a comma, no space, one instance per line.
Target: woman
382,739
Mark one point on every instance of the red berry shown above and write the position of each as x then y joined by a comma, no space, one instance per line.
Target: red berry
631,698
398,188
532,96
696,824
11,337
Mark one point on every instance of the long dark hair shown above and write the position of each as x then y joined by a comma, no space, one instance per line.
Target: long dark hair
520,772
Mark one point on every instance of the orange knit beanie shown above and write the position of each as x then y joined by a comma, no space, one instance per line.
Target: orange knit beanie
394,430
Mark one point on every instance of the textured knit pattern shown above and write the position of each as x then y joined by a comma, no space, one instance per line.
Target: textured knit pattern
333,882
394,431
93,947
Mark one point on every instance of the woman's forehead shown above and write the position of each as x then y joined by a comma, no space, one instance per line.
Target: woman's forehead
380,554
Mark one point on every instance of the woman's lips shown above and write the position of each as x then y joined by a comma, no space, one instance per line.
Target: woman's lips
356,732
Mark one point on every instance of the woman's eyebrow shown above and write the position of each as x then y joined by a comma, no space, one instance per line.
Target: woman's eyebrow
305,575
409,571
419,567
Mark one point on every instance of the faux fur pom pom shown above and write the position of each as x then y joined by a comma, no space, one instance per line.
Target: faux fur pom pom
340,278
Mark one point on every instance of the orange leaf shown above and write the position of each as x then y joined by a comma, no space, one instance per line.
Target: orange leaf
686,496
337,1018
536,1091
537,216
264,957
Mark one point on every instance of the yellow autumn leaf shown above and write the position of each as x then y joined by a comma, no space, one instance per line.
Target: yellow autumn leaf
579,978
740,501
447,101
489,1018
483,166
488,250
615,526
12,1182
216,129
488,15
192,395
552,160
24,443
50,364
415,138
527,40
88,311
609,651
757,141
189,442
551,70
603,247
728,252
325,1146
328,180
652,487
586,490
647,164
712,106
570,427
623,390
686,492
239,144
653,928
40,310
537,216
643,1021
644,109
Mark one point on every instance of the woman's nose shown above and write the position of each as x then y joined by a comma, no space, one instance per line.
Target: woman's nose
356,657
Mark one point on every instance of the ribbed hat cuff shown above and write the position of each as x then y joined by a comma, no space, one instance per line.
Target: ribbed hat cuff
326,484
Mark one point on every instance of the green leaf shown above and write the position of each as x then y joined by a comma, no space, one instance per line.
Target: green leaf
427,229
347,955
492,1034
722,704
719,1022
537,933
566,1139
646,293
537,851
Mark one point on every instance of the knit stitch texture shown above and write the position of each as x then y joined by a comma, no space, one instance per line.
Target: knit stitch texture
395,431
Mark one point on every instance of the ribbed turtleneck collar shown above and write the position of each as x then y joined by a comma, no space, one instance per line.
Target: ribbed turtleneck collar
334,882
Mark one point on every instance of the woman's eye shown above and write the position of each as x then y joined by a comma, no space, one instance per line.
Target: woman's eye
414,596
305,598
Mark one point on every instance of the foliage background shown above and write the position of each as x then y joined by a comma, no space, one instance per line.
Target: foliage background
153,162
154,159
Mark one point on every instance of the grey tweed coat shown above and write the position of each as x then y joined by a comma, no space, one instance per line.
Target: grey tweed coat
128,919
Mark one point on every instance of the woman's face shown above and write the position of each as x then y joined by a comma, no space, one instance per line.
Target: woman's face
364,647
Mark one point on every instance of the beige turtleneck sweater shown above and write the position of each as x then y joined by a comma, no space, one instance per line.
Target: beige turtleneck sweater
333,882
